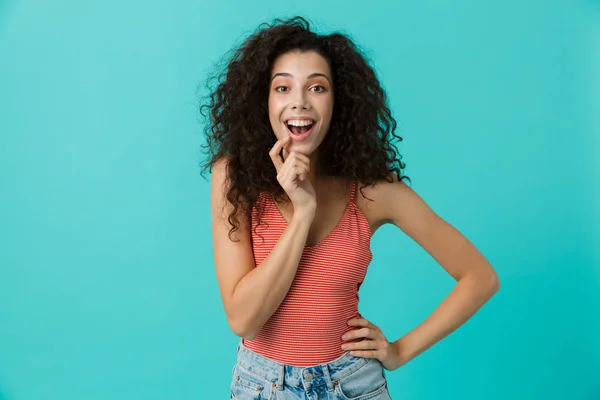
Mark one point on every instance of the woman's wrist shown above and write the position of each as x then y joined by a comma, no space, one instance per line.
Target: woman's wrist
304,214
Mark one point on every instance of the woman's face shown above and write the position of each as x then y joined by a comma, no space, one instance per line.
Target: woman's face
301,99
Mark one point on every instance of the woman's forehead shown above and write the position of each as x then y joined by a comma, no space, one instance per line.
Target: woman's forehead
298,64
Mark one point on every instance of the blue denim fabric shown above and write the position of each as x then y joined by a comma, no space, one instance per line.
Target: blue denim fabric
346,378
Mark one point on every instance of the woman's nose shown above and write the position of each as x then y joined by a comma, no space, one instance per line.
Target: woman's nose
300,101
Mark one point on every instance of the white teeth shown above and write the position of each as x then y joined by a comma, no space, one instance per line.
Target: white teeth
299,122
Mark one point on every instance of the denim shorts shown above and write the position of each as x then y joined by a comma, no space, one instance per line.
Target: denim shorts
258,378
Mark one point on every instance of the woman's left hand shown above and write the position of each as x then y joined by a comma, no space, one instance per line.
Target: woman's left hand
374,345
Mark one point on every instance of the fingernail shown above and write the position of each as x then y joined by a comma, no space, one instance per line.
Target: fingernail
344,337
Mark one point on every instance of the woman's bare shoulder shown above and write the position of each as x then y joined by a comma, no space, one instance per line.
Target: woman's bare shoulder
380,200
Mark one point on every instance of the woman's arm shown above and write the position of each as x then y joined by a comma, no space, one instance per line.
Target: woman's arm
251,294
477,281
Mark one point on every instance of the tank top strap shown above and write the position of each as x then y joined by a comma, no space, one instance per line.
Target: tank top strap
352,191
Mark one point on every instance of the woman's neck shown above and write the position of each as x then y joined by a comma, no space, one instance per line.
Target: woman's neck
313,174
322,183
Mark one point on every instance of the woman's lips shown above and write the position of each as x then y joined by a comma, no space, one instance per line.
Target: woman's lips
299,137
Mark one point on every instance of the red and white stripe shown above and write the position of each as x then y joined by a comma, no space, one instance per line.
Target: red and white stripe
307,327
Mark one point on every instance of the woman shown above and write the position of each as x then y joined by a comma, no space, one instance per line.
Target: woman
304,171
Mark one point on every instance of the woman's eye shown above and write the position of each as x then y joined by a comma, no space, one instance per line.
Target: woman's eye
280,89
317,88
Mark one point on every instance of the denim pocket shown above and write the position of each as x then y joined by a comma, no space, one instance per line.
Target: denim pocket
247,386
368,382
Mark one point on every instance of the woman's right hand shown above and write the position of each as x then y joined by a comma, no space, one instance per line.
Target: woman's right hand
292,175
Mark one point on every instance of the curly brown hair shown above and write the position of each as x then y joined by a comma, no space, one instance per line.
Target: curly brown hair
359,145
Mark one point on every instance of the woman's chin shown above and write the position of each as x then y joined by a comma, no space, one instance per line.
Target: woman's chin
305,148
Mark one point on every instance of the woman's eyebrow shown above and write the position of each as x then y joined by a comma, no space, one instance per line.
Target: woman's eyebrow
288,75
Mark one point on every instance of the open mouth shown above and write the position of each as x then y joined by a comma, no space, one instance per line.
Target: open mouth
299,129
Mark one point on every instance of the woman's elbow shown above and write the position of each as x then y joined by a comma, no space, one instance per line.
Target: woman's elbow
484,283
496,282
243,329
492,283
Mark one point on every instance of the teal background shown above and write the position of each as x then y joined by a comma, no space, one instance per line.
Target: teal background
107,286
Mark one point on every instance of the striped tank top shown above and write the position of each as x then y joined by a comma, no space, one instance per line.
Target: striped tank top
307,327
